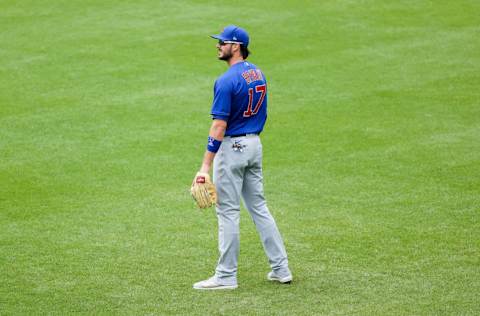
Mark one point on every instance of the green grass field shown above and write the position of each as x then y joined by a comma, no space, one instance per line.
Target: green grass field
371,156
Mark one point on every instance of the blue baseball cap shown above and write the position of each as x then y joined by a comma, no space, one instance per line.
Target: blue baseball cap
233,34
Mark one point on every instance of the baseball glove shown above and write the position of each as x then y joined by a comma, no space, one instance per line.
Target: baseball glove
203,190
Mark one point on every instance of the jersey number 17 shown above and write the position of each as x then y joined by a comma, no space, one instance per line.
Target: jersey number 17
258,89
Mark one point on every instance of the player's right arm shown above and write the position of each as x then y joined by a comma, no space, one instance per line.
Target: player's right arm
220,113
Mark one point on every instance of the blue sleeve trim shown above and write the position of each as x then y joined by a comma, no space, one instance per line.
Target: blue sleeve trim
222,117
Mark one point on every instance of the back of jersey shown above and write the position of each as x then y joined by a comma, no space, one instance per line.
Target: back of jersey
240,98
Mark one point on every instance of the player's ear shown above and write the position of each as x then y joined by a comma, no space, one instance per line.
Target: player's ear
236,47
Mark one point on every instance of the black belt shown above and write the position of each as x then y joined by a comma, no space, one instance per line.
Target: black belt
242,135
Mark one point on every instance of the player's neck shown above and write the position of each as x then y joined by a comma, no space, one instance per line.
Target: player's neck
234,60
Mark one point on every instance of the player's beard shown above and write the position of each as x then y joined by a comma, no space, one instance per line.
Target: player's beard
226,54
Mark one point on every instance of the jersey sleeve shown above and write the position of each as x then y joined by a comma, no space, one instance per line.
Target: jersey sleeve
222,99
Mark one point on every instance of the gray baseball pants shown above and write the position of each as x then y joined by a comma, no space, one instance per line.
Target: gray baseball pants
237,173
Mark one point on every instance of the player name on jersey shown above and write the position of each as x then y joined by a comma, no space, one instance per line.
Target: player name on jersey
252,75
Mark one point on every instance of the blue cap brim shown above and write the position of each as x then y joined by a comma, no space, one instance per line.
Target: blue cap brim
219,37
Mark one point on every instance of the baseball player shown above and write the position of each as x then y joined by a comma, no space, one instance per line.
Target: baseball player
239,112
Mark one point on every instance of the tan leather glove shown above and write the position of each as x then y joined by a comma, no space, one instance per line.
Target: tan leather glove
203,190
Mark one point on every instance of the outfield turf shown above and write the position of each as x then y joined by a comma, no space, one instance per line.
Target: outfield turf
371,157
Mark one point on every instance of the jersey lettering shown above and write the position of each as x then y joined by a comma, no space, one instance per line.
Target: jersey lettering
259,89
252,75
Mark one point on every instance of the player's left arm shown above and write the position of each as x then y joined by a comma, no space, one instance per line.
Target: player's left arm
217,132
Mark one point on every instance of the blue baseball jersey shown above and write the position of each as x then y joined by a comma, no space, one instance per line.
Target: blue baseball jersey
240,99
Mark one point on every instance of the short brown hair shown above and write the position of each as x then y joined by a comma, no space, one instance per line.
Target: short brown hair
245,52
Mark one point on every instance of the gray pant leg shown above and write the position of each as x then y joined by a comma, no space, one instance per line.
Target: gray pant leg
254,200
228,246
228,174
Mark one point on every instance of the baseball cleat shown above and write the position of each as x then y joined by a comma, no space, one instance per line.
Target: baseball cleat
284,280
213,284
